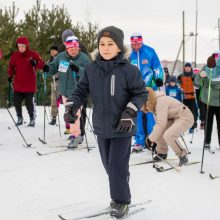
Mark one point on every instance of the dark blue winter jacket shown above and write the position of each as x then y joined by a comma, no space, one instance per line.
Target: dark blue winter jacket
112,85
175,92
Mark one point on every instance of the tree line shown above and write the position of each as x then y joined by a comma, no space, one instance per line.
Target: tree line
43,27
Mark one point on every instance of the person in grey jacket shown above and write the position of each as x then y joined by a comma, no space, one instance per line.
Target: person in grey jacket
69,65
117,93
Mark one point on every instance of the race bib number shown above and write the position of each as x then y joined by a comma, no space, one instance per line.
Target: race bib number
63,66
172,93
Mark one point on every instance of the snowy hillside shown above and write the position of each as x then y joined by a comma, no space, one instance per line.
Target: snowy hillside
74,183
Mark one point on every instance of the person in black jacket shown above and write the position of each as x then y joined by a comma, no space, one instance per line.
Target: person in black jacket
117,91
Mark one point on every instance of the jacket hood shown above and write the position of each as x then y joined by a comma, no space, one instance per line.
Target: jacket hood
150,105
23,40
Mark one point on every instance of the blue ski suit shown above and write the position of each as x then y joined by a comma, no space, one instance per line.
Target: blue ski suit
149,65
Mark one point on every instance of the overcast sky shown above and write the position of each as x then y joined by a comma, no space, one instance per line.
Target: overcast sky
159,21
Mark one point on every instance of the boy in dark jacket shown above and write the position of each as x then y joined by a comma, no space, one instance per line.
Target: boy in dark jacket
173,90
117,92
22,66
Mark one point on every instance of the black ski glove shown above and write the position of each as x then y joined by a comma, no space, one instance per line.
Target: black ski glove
74,67
33,62
126,122
211,63
70,113
46,68
151,145
159,82
10,79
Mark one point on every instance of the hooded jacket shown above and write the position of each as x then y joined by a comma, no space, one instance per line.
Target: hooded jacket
21,69
113,85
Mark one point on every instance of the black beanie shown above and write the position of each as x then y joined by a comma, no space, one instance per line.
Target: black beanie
188,65
53,48
172,79
115,33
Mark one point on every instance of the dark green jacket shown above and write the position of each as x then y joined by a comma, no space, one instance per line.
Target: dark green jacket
67,78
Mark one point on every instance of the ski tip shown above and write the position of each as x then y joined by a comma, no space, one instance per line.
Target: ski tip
38,153
61,217
210,175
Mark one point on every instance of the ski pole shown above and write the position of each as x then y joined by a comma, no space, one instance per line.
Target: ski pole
171,165
185,145
44,78
91,128
206,121
58,115
27,145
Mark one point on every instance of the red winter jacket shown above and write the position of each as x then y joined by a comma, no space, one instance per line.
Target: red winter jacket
20,66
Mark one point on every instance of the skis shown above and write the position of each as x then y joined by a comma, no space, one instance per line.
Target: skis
106,212
62,150
213,177
161,169
151,161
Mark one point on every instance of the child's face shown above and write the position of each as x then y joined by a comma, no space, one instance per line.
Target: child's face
172,84
22,48
108,48
53,52
74,51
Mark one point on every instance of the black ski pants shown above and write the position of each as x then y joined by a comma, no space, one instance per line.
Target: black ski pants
201,106
115,155
83,119
191,104
213,110
29,102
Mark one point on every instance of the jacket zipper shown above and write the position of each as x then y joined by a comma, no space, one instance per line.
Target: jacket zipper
113,85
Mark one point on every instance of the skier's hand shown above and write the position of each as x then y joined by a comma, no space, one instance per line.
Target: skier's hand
74,67
211,63
10,79
203,74
150,145
33,62
70,113
126,122
46,68
159,82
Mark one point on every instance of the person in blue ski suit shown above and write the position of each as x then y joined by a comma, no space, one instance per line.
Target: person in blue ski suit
147,61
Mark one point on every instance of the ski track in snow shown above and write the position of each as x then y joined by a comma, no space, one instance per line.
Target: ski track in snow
74,183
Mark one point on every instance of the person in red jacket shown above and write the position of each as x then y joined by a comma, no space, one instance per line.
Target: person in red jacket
22,72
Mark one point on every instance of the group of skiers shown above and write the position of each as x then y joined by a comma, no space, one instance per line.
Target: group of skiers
126,93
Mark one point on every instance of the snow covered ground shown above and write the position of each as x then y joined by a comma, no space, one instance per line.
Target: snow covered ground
74,183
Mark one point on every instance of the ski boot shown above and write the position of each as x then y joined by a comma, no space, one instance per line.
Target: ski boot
80,141
31,123
183,160
207,146
67,131
53,121
20,121
191,130
163,156
74,142
137,148
118,210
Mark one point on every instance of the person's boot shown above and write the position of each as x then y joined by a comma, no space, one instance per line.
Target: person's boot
80,139
163,156
53,121
20,121
31,123
74,142
137,148
183,160
67,131
207,146
119,210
